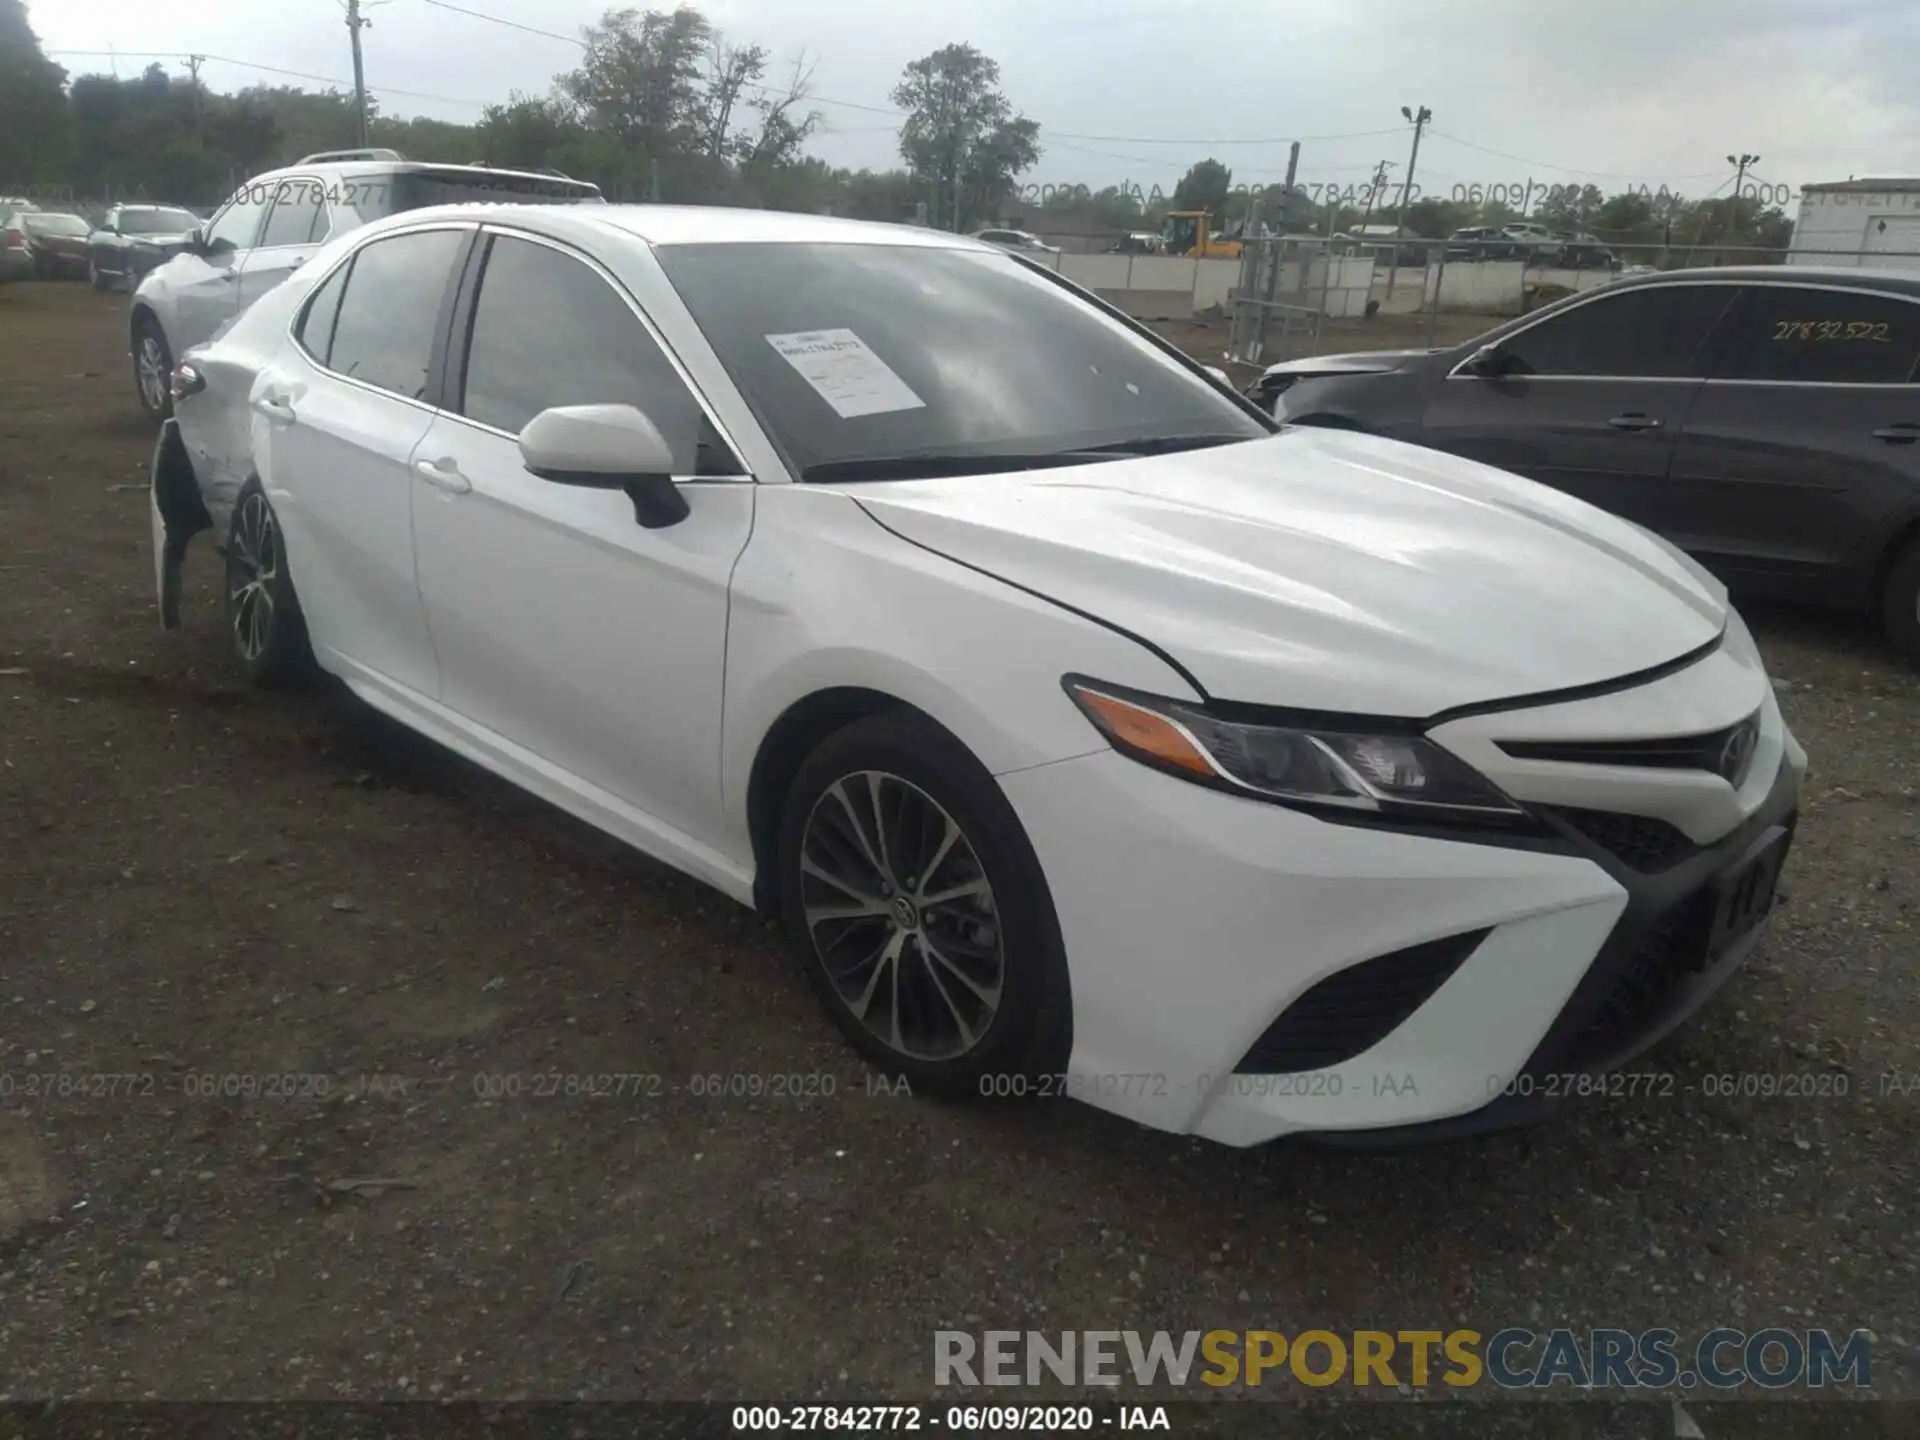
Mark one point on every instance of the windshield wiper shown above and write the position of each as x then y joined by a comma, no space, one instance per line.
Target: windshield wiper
1166,444
933,465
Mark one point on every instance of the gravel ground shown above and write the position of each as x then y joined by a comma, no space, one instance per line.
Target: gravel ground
202,881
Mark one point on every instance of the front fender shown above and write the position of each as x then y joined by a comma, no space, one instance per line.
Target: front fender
826,598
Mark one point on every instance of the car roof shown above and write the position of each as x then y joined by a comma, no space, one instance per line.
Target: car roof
1902,282
706,225
348,168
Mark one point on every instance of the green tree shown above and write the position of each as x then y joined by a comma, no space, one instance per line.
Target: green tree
961,138
643,83
1206,186
33,106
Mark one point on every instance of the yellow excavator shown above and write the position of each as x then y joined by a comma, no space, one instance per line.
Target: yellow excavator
1191,232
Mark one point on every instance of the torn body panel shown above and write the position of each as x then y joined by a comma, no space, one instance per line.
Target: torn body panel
178,515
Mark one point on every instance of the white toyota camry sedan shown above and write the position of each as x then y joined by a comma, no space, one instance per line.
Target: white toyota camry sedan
1093,734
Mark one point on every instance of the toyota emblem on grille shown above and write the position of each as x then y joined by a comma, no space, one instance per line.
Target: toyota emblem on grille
1736,751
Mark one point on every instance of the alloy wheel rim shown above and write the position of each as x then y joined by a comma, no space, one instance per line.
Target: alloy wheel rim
901,916
253,560
153,380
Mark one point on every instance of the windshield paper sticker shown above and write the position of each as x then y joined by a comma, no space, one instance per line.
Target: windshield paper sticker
845,373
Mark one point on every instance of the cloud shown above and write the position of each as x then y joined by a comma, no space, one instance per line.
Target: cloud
1651,90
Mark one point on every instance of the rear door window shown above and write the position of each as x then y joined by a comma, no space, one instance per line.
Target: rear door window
1833,337
1654,332
315,332
390,310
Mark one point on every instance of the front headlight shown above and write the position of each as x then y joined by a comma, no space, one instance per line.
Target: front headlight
1319,765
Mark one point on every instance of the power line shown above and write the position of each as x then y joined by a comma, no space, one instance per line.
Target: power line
1565,169
578,43
1063,135
276,70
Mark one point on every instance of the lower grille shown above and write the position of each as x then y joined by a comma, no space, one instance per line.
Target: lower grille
1645,844
1674,948
1354,1009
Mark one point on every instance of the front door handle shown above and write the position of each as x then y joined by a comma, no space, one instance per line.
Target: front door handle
443,475
1904,433
1634,420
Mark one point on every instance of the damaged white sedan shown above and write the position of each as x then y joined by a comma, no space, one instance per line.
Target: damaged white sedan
1093,734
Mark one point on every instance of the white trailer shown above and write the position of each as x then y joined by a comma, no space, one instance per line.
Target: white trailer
1873,223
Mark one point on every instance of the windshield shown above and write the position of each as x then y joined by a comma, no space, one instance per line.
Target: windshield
55,224
851,354
156,222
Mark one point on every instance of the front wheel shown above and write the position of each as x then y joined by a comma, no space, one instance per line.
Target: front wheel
263,614
920,911
1900,602
152,368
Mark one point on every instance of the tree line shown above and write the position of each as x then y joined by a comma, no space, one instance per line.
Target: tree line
663,105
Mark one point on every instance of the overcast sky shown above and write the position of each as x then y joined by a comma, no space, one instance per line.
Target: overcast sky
1622,92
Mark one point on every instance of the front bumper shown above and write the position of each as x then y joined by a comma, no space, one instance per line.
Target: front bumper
1194,921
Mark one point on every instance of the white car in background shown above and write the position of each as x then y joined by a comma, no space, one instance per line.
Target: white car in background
1093,734
269,227
1020,241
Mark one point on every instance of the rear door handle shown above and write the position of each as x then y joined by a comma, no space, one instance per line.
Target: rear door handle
1634,420
443,475
1904,433
275,407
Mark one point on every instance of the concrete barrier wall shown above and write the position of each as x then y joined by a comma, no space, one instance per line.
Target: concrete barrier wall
1495,287
1156,287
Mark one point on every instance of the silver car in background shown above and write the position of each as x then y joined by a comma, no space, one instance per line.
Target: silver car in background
273,223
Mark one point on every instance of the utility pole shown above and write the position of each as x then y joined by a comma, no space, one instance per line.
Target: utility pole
1373,190
355,24
1419,119
1740,162
194,62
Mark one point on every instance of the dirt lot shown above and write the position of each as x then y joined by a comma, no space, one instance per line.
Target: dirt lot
200,881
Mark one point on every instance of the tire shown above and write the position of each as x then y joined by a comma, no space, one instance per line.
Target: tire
96,278
150,348
1900,602
264,621
988,997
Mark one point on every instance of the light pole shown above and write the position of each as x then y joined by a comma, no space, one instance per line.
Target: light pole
1740,163
1419,121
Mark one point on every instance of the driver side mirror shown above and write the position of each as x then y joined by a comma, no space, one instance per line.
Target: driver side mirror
1488,362
607,447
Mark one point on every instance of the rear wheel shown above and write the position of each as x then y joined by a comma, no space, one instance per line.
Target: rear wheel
1900,602
263,614
152,367
920,911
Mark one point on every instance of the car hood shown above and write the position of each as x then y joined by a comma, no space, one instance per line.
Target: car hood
1370,362
1328,570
